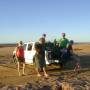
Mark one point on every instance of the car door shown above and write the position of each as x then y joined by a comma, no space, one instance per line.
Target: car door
29,53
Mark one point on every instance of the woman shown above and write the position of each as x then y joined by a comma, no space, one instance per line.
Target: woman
20,57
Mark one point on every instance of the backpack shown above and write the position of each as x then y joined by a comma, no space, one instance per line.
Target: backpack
20,52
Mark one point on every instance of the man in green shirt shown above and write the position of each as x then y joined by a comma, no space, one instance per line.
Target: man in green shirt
63,42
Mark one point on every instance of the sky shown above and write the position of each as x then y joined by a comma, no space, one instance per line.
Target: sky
27,20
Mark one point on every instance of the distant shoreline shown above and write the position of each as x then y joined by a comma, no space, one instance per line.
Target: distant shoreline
82,42
8,45
14,44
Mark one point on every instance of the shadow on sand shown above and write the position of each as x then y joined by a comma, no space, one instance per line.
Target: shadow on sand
85,61
70,65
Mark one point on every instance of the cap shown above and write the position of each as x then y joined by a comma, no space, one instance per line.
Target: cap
44,35
63,34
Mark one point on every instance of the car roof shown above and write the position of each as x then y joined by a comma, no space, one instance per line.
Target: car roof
29,42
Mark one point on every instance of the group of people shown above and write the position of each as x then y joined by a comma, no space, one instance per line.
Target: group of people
39,57
66,47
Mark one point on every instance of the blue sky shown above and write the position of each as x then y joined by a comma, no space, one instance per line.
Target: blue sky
27,19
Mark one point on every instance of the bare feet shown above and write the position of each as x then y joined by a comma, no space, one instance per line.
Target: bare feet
23,74
38,75
46,75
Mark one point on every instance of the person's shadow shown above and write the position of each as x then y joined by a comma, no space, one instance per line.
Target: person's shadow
45,88
85,61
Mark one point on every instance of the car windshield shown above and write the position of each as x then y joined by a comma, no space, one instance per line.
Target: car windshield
30,47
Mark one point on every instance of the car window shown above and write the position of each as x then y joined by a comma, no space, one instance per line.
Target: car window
25,46
30,47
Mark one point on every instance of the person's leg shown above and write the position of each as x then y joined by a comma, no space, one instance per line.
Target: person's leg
18,64
23,68
77,63
60,59
45,74
38,73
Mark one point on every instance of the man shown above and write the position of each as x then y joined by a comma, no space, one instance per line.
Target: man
44,35
39,58
63,42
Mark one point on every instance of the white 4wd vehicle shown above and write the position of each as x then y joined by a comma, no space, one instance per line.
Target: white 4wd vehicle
29,52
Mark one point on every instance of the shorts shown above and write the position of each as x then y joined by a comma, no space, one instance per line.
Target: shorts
21,59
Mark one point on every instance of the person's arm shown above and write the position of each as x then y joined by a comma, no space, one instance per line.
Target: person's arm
59,41
34,59
16,51
67,43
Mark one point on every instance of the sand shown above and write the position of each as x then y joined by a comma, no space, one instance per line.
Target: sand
9,75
